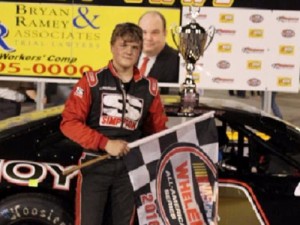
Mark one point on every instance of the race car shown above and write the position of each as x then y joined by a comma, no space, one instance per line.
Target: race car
258,167
33,156
259,164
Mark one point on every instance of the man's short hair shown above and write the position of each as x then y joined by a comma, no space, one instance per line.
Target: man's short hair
163,19
129,32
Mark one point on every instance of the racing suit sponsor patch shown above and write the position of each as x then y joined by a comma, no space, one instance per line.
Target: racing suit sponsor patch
111,113
79,92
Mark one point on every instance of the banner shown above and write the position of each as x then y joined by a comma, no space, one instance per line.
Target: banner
60,41
253,49
174,176
255,46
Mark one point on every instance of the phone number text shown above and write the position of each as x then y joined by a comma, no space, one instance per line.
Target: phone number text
43,69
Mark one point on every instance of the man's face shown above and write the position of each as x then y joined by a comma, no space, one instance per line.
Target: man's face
125,53
154,34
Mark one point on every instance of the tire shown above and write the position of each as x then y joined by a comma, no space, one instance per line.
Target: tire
33,209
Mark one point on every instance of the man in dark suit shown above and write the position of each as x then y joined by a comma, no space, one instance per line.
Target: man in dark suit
163,60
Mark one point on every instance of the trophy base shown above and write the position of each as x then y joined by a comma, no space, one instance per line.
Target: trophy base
175,110
189,101
186,111
185,114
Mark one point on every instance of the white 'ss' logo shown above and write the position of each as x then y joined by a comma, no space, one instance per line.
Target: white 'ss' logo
111,113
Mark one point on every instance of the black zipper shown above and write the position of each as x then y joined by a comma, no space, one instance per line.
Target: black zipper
124,101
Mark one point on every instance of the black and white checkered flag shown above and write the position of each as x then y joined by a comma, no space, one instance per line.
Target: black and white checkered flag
173,174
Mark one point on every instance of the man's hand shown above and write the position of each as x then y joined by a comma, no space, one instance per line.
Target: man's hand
33,95
117,147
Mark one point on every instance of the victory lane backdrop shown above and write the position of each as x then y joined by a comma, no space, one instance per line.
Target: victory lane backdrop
62,40
174,176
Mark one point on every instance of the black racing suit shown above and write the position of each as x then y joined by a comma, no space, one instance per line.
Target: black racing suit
99,108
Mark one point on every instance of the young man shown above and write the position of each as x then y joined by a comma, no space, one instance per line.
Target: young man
163,61
106,110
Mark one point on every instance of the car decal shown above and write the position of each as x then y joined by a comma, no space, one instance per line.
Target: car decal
31,174
247,190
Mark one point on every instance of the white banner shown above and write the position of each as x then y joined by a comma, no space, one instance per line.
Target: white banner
252,49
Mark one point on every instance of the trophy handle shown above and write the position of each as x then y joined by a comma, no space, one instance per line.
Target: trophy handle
210,33
174,32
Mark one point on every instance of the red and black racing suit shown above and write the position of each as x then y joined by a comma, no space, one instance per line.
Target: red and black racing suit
99,109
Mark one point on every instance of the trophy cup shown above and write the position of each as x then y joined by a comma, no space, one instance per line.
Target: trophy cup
193,41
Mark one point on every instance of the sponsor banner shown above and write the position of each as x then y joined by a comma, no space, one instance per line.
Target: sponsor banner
251,50
62,40
58,40
174,176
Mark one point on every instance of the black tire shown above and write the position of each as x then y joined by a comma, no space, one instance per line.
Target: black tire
33,209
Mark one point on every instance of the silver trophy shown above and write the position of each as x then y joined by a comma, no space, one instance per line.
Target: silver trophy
193,41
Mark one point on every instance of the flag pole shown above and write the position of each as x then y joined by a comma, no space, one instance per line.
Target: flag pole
85,164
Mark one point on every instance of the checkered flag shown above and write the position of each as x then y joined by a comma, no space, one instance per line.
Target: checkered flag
173,174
